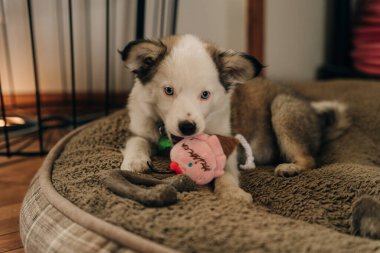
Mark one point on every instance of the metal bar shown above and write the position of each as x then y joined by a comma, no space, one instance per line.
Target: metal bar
107,77
48,140
174,16
36,79
72,56
162,18
5,128
140,19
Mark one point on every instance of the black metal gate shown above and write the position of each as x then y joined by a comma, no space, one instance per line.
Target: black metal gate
19,134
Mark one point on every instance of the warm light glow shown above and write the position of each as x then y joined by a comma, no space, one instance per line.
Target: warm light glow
12,121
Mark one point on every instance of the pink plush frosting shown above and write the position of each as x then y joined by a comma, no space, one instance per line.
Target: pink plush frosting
200,157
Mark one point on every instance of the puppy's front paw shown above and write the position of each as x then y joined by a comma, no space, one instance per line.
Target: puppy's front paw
288,170
136,164
235,193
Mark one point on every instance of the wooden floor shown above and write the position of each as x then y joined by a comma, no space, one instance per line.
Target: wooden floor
15,175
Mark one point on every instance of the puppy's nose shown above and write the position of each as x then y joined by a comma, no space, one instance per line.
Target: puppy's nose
187,128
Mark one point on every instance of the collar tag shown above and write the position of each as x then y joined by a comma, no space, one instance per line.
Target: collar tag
164,143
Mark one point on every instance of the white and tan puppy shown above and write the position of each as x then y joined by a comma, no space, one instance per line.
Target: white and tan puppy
189,86
186,84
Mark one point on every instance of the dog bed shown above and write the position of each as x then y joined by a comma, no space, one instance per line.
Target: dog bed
68,209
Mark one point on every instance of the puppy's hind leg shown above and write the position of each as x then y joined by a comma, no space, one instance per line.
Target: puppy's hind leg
298,134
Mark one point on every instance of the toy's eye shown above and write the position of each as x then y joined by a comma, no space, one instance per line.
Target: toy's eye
169,91
205,94
190,165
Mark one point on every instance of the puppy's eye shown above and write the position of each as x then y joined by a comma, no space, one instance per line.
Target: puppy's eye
169,91
205,94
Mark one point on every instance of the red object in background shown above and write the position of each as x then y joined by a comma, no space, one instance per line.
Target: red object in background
366,39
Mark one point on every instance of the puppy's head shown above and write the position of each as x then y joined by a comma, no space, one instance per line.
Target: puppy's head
186,79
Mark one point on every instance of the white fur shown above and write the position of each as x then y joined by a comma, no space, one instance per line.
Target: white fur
342,121
190,70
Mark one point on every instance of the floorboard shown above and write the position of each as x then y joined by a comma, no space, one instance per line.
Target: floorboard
20,250
10,242
15,176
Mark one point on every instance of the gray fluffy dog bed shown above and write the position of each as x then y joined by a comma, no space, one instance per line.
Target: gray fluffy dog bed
68,209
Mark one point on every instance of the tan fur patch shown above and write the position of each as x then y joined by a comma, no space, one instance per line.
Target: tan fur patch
234,67
142,51
143,57
279,123
251,116
171,41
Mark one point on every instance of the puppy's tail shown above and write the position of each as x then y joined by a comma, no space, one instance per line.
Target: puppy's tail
335,118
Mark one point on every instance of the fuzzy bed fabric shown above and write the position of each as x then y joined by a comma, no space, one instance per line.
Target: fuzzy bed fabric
307,213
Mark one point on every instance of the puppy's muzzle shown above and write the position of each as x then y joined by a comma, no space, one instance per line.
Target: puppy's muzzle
187,128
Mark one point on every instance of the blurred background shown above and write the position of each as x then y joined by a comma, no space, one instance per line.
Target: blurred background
59,66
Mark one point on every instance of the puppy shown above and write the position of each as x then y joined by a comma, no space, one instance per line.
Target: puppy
283,127
191,86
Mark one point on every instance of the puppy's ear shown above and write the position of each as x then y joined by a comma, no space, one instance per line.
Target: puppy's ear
236,68
142,57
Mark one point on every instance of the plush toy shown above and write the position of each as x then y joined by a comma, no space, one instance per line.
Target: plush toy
197,159
203,157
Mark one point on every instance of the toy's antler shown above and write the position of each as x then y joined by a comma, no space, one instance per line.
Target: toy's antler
156,193
249,162
228,144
